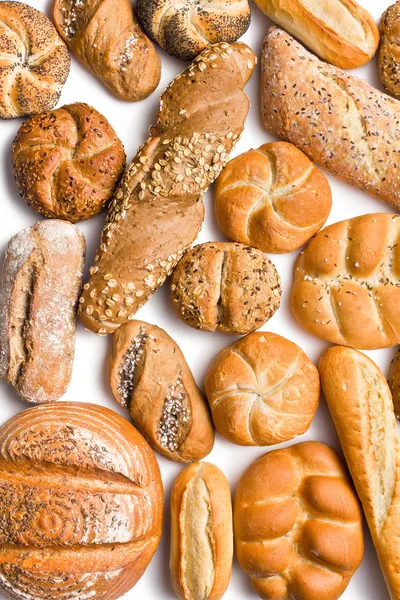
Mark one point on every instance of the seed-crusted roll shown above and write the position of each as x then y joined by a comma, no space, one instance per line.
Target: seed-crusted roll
150,376
394,383
389,54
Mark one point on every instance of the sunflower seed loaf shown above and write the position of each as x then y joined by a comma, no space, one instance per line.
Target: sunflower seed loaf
157,211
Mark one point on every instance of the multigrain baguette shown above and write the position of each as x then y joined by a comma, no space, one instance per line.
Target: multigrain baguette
337,119
157,211
361,406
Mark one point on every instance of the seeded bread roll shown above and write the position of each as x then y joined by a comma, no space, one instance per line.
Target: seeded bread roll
150,376
272,198
40,284
186,28
81,504
157,211
338,120
106,38
201,533
67,163
389,53
34,61
227,287
394,383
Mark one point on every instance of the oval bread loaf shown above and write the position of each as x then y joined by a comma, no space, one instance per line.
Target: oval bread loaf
272,198
394,383
150,376
201,533
389,52
298,524
81,504
347,283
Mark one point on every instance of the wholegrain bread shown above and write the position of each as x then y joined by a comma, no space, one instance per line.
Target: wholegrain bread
338,120
150,376
389,54
361,406
346,287
394,383
157,211
201,533
81,504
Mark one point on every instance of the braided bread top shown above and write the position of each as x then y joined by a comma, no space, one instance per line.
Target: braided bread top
347,283
34,61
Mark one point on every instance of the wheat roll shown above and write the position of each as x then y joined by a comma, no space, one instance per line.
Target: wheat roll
389,54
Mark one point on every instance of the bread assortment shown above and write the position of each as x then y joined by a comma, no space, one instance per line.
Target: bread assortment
106,38
227,287
338,120
81,504
68,162
34,61
272,198
361,406
394,383
262,390
186,28
150,376
157,211
389,55
347,283
40,284
201,533
298,524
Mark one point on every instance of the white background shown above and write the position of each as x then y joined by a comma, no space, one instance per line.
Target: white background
89,381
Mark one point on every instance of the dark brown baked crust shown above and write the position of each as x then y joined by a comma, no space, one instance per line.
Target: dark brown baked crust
394,383
389,51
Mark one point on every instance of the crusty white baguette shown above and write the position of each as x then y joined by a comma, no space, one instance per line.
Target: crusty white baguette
361,406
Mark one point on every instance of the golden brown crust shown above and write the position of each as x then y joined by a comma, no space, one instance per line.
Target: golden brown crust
262,390
106,38
225,286
67,163
361,406
338,120
186,29
342,33
35,61
389,52
272,198
157,211
150,376
298,524
81,503
201,533
394,383
346,288
40,285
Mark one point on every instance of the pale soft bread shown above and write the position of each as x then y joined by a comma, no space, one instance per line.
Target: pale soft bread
338,120
157,211
340,31
389,51
262,390
346,287
150,376
201,533
272,198
106,38
361,406
298,524
394,383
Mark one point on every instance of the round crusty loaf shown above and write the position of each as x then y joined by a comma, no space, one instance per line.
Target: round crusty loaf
68,162
262,390
34,61
272,198
81,504
298,524
184,29
389,51
394,383
225,286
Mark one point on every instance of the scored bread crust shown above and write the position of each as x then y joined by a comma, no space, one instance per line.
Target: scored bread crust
346,288
361,406
201,511
106,38
150,376
157,210
81,503
34,61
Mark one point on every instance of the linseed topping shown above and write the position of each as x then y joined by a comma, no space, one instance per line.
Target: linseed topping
175,413
127,372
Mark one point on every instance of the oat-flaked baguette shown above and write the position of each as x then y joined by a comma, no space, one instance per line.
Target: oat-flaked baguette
157,211
106,38
337,119
361,406
40,284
